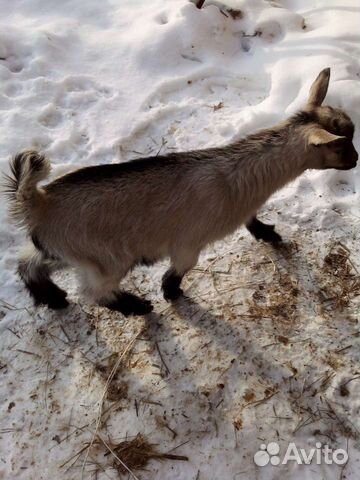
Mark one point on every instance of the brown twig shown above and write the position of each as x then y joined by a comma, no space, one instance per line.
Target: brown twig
28,353
162,359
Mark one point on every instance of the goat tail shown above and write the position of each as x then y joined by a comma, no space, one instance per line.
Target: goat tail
27,169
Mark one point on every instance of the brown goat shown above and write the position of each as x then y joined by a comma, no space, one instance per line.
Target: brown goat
104,220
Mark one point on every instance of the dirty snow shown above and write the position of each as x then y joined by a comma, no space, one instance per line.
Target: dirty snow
266,346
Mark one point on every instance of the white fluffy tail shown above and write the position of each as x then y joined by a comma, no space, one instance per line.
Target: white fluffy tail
27,170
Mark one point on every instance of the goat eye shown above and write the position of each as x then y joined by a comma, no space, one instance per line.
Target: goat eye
335,125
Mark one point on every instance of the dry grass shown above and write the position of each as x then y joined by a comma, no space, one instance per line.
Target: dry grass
276,300
117,389
338,284
136,454
340,281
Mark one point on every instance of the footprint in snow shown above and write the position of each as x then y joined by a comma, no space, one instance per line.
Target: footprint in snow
194,112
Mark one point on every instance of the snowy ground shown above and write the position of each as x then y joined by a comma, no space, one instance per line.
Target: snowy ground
266,346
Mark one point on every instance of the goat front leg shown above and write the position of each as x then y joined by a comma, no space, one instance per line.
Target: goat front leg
181,262
263,231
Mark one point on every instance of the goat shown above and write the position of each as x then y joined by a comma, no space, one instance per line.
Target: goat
104,220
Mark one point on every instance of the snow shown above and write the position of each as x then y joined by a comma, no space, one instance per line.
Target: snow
93,82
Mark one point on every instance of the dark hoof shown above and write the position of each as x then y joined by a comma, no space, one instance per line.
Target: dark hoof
269,235
129,304
172,294
263,231
171,285
48,294
58,304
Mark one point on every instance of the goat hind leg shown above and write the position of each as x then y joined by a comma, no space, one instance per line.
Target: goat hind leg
34,269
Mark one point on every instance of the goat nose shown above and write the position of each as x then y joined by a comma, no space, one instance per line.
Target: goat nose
354,154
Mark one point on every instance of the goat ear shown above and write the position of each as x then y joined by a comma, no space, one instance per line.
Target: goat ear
319,136
319,88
